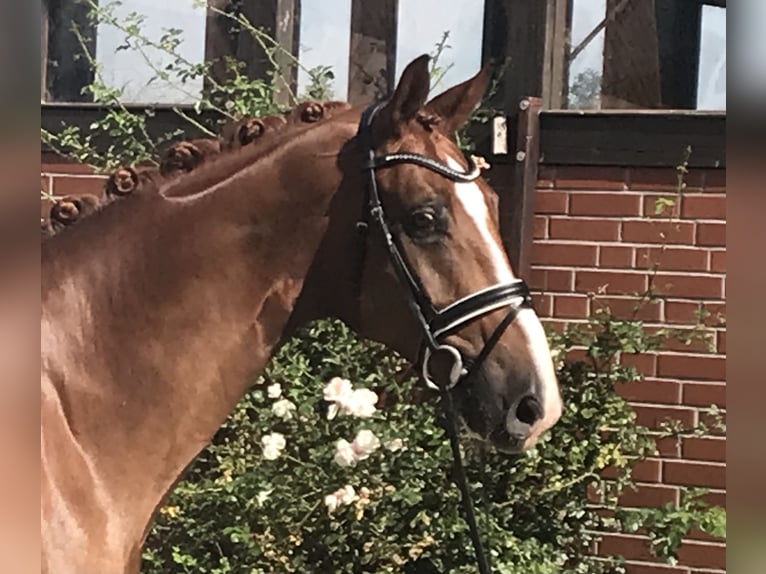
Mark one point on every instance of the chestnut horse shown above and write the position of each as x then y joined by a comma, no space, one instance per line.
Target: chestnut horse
158,310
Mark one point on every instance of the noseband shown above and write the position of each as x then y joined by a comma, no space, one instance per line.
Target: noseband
434,324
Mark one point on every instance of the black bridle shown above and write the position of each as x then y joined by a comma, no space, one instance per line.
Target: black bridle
435,325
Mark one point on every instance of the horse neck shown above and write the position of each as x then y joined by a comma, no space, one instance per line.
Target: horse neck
158,313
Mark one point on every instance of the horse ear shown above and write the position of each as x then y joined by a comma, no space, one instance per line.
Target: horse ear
409,96
454,106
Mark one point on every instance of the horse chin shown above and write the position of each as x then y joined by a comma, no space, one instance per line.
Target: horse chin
499,440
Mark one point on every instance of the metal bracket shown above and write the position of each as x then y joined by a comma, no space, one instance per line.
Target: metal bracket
499,135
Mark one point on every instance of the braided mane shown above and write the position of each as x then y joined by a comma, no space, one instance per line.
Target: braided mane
239,143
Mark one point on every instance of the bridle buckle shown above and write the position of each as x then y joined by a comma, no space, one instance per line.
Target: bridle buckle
456,372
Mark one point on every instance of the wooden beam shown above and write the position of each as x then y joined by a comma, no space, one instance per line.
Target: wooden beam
220,39
514,36
372,55
518,201
679,33
556,59
631,76
643,138
66,73
278,19
650,138
514,42
44,50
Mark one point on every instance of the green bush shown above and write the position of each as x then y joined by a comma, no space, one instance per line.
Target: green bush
237,512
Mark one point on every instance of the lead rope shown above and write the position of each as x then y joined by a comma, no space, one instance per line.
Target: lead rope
462,483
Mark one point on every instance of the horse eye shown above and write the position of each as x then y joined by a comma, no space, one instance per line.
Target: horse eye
424,219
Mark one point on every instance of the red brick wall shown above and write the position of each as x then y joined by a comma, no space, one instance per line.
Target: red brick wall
61,178
596,231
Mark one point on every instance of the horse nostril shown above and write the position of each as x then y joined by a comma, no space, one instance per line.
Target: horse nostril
529,410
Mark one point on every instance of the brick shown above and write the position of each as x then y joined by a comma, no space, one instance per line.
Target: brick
551,279
610,204
715,498
694,474
625,307
718,261
663,179
651,391
704,448
711,234
576,356
672,258
687,340
583,229
687,312
564,254
615,256
644,363
696,534
703,554
647,470
648,495
610,282
540,227
570,307
633,568
551,202
721,342
668,447
543,304
52,163
546,175
590,178
78,185
689,286
627,546
715,181
704,394
667,232
669,205
707,206
652,416
695,367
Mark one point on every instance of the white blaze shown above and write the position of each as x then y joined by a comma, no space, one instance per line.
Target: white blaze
472,199
532,332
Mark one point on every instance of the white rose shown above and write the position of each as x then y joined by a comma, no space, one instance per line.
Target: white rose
346,495
283,409
273,445
331,502
263,496
337,389
274,391
344,453
365,444
394,445
361,403
332,411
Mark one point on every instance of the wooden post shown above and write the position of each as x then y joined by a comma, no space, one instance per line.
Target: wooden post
279,20
372,55
43,50
679,32
517,228
631,56
556,60
66,73
220,38
514,42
